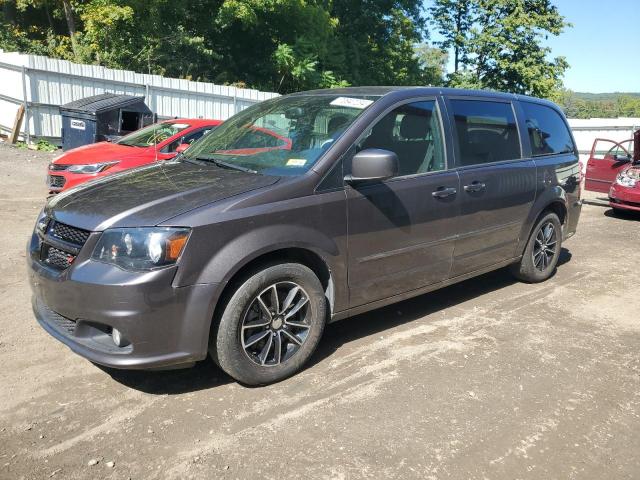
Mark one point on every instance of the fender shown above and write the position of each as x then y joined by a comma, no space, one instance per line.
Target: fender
249,246
256,243
544,198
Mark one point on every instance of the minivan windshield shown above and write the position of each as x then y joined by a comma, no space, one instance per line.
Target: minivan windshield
282,136
153,134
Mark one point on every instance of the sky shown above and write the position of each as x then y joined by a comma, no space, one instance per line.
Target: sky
602,47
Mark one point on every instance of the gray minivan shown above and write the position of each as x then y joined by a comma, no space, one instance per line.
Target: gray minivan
298,211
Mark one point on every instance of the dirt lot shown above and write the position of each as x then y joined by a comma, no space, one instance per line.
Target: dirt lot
487,379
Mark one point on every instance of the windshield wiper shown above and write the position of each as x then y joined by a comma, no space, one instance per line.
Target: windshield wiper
223,164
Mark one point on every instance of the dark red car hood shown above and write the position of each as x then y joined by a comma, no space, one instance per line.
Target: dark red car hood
150,195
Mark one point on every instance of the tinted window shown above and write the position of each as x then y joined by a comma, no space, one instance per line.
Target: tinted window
188,139
412,131
153,134
548,133
486,131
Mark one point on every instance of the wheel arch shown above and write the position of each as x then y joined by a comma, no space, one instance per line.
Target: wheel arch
555,201
284,254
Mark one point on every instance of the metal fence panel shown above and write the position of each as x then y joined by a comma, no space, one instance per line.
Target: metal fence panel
46,83
585,131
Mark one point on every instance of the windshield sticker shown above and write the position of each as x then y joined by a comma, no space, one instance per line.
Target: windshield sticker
179,125
359,103
296,162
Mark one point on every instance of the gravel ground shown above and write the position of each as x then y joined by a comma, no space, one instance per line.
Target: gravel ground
486,379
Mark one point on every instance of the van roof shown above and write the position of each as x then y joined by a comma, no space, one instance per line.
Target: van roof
419,90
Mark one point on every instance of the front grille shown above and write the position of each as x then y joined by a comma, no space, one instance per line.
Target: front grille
58,258
60,243
55,167
70,234
56,181
63,323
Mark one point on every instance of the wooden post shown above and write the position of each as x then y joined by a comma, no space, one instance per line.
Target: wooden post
17,124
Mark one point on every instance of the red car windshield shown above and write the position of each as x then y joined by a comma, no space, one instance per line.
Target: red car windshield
153,134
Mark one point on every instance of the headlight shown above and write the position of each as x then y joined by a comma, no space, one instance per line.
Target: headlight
91,167
43,222
628,178
141,248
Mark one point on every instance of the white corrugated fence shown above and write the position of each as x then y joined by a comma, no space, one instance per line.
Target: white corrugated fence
585,131
43,84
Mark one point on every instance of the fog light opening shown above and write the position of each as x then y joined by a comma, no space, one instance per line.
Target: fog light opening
118,339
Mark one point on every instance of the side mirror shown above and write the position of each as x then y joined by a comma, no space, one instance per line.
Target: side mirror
636,146
182,147
372,164
621,158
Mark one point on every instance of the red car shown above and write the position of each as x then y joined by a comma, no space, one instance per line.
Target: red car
160,141
614,168
256,140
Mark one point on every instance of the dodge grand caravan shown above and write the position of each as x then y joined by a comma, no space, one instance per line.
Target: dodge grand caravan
384,194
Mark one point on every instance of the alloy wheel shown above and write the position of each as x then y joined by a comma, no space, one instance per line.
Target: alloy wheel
545,245
276,324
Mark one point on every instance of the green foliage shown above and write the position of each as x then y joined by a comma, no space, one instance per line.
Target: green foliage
42,145
606,105
277,45
453,20
433,63
498,44
290,45
45,146
508,51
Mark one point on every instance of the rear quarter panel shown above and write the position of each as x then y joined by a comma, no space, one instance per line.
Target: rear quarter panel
557,180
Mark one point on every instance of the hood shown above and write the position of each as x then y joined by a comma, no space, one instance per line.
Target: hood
98,152
150,195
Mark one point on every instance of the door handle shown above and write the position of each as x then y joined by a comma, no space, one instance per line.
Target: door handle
444,192
475,187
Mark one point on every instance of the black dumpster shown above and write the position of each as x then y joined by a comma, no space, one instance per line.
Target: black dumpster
102,117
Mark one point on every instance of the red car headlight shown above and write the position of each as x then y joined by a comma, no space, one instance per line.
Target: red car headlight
91,167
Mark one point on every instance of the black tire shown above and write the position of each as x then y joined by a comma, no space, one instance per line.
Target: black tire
537,264
230,345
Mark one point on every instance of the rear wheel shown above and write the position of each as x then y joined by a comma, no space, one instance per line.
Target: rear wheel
541,254
271,325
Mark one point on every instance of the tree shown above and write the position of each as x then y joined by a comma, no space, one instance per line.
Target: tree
71,24
498,44
376,41
507,46
605,105
289,45
433,62
453,20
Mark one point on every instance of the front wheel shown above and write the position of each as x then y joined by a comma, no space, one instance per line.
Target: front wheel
271,325
541,254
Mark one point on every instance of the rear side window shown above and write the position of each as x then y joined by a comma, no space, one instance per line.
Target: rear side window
548,133
486,131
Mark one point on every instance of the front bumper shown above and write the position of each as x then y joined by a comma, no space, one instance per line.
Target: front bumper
164,325
627,198
61,180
